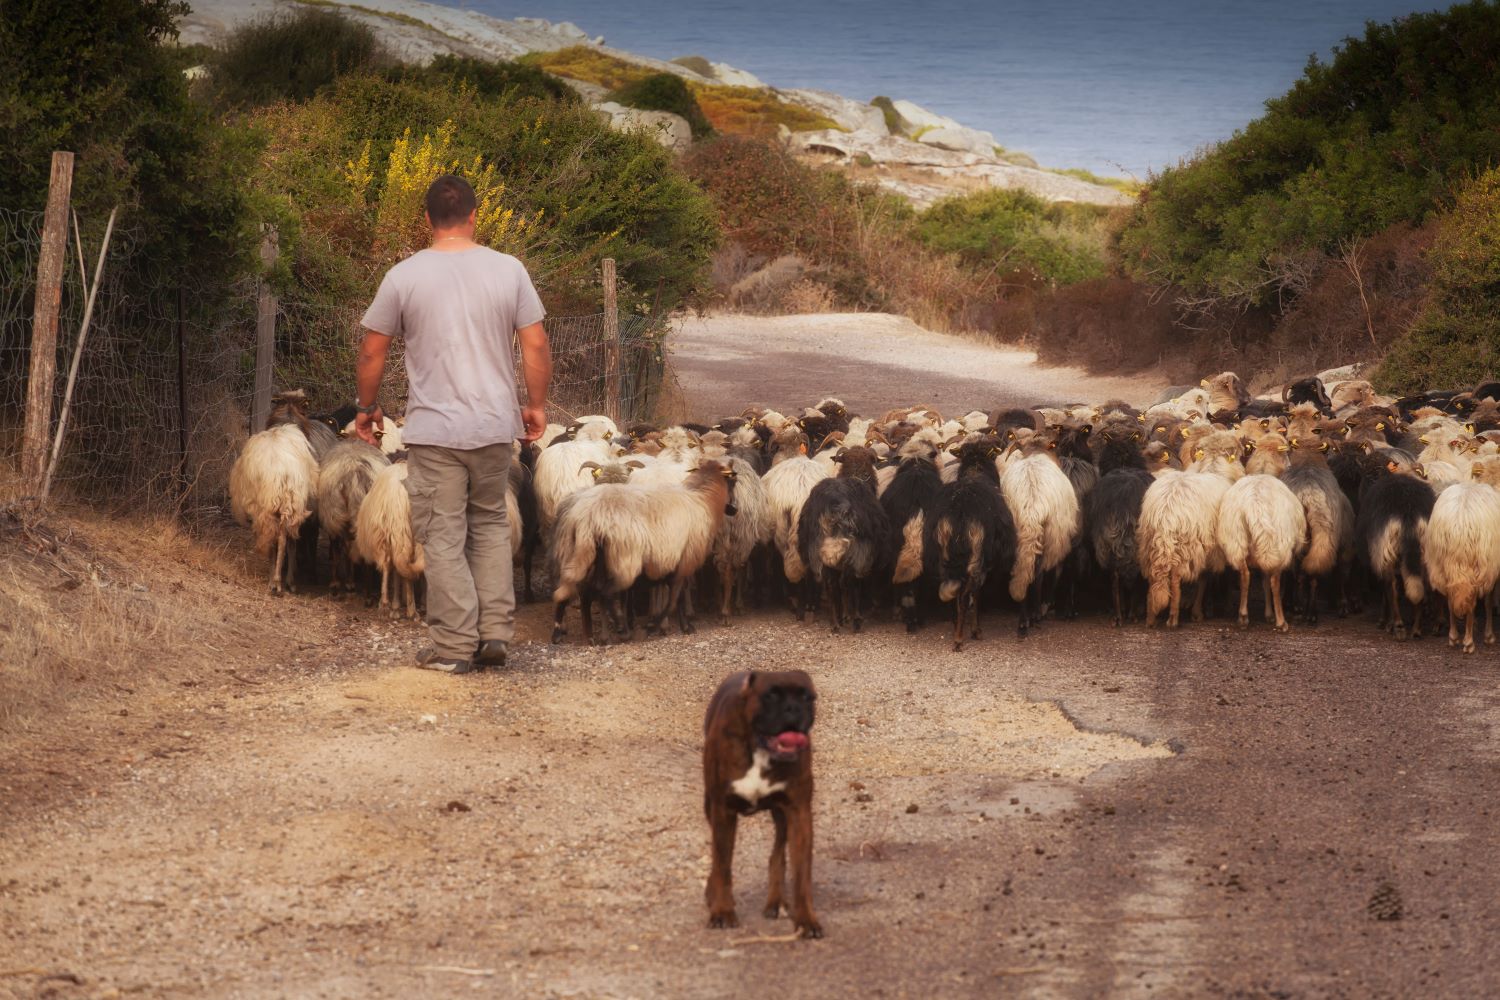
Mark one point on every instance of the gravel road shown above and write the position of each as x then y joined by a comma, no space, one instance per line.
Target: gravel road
280,806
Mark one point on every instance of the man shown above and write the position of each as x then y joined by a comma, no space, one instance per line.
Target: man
458,304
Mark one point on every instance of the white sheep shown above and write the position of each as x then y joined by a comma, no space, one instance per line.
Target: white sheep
787,486
560,469
387,435
1261,527
1461,552
598,551
1044,507
272,488
751,525
344,479
383,532
1177,539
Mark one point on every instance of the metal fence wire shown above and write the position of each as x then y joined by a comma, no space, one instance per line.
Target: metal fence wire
167,375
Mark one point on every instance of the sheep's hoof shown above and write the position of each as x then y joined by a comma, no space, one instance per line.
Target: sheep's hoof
858,626
688,629
724,620
911,628
1489,640
1244,622
976,634
1283,628
1115,623
1453,642
958,647
557,635
1468,647
1400,633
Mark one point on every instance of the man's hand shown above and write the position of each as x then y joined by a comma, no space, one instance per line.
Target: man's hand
365,425
535,419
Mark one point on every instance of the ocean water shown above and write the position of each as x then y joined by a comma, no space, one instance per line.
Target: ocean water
1117,88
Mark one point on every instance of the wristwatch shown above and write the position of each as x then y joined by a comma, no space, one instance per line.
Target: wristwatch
368,411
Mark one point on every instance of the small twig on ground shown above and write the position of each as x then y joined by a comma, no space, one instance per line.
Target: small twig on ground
12,973
1025,970
768,939
457,970
244,680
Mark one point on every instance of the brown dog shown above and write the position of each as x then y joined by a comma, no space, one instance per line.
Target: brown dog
757,755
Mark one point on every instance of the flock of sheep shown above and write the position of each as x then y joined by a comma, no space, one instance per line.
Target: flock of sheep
1330,486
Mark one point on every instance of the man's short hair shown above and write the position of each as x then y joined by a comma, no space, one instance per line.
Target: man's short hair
449,199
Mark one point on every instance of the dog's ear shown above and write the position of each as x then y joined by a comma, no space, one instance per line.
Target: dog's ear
749,684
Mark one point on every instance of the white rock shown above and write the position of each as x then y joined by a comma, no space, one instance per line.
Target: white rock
672,131
731,77
920,117
960,139
849,114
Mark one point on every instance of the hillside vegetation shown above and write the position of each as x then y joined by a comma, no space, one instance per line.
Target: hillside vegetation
1365,150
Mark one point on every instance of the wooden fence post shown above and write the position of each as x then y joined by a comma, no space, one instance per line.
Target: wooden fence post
611,342
49,279
265,334
182,407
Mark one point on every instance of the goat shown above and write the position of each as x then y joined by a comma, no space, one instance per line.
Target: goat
842,532
1461,553
344,478
787,485
909,502
272,488
598,550
970,532
1261,527
1307,390
1330,523
1044,508
683,521
386,538
560,468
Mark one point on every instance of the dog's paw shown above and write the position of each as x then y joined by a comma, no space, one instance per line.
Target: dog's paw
810,929
721,921
773,911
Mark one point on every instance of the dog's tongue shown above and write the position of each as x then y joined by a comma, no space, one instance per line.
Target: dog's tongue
789,742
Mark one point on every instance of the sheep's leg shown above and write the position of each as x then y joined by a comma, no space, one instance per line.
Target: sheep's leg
976,632
528,551
1416,620
586,616
411,599
1312,600
1489,618
683,596
290,548
726,592
958,619
1452,627
1174,604
1469,629
1281,625
1398,628
856,599
1200,591
559,624
1114,588
1265,596
1245,596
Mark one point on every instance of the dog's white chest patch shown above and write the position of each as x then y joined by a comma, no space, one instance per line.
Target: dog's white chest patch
755,786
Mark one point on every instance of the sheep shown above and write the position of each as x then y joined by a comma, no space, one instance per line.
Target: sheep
1307,391
842,532
1177,539
1112,511
682,522
520,512
560,468
1261,527
1044,508
1394,510
1330,522
752,525
1117,446
787,485
344,478
387,435
970,532
598,549
909,499
1461,554
272,488
386,538
292,407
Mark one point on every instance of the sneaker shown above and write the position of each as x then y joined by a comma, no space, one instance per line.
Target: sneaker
491,653
430,659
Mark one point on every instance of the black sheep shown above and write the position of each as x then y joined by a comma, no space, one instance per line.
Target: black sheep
909,503
971,532
1111,512
1393,513
1308,390
842,534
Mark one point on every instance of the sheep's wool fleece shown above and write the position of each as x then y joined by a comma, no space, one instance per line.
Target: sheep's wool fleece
458,313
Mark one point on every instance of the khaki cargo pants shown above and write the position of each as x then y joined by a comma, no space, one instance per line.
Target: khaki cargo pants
458,514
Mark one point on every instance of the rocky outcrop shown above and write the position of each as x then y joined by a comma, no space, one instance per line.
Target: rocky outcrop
933,129
926,173
672,131
849,114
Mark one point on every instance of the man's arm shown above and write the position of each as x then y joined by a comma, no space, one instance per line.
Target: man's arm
536,366
368,371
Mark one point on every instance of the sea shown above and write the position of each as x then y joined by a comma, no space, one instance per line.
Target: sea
1118,88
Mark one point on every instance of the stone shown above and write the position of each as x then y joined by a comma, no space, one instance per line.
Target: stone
672,131
848,114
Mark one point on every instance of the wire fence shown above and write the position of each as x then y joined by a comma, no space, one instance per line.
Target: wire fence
167,374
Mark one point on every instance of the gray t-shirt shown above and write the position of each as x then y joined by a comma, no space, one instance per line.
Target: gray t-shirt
458,313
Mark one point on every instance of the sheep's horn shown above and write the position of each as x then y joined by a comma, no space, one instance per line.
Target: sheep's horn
634,464
590,465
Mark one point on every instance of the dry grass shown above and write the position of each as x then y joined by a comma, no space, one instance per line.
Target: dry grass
753,111
586,63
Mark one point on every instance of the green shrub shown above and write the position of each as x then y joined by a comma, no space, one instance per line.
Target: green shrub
665,92
292,56
1013,230
494,79
697,64
1456,341
1379,135
894,123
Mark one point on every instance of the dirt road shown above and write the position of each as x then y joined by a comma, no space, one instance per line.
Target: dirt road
873,362
268,801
